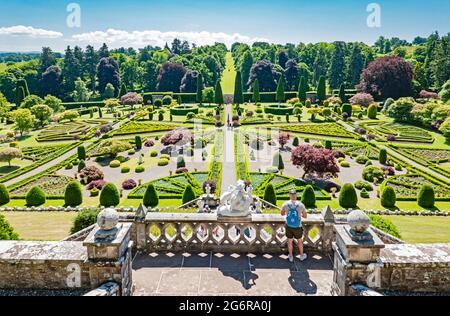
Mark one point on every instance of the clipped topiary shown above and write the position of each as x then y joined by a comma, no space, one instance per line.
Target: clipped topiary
296,142
4,195
328,145
278,161
81,165
371,173
309,197
151,198
73,196
388,197
138,141
35,197
81,153
347,108
348,197
180,162
383,156
372,112
364,194
270,194
426,197
83,220
188,194
109,197
6,230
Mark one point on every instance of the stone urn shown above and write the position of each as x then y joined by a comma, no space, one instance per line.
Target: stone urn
107,221
359,223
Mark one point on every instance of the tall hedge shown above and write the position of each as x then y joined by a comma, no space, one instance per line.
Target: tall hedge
328,145
383,157
81,153
302,89
256,94
321,89
138,141
73,195
426,197
348,197
188,194
4,195
199,93
309,197
123,90
109,197
238,94
281,97
35,197
270,194
151,198
388,197
218,94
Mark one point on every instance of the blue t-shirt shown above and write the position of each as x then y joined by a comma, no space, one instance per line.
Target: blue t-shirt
294,213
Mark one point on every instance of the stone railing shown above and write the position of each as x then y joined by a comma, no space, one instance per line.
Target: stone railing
208,232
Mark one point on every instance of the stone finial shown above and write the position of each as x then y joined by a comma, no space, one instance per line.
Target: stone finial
328,215
107,220
141,212
359,223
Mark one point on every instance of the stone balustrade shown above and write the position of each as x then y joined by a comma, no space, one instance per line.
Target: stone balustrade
208,232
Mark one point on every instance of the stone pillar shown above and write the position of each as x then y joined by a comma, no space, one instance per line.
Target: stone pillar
141,228
328,234
356,255
109,249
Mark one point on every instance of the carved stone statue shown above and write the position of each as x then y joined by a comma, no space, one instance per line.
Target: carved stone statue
236,201
208,190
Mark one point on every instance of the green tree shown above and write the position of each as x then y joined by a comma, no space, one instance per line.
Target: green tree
151,198
348,197
426,197
81,92
4,195
309,197
302,89
383,157
73,195
238,94
54,103
321,89
199,95
356,66
281,96
372,112
84,220
188,195
218,94
10,153
109,197
388,197
270,194
42,113
123,90
110,91
6,230
336,73
138,141
342,94
35,197
23,119
31,101
247,63
4,106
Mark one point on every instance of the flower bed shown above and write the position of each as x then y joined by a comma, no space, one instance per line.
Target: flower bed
404,133
83,129
326,129
52,185
145,127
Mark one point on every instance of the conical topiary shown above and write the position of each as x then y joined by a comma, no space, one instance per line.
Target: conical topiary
151,198
348,197
188,195
309,197
426,197
4,195
35,197
388,197
73,196
109,197
270,194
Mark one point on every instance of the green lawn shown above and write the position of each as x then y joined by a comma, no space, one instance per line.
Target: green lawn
419,229
229,75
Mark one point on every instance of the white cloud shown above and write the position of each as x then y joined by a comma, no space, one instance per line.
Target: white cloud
29,31
117,38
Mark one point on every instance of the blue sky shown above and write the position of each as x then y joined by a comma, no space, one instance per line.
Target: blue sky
278,21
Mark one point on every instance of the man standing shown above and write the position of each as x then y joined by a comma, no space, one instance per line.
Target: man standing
294,212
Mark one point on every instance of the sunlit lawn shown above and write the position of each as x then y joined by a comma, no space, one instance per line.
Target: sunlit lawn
229,75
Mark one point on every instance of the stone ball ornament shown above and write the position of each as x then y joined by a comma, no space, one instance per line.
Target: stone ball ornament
108,219
359,222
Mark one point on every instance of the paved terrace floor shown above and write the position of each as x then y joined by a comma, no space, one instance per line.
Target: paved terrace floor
214,274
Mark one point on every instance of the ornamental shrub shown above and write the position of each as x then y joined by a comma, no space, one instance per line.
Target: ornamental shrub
139,169
138,141
81,150
163,162
348,197
167,100
114,164
309,197
296,142
270,194
35,197
388,197
383,156
182,170
362,160
151,198
347,108
426,197
372,172
372,112
364,185
345,164
4,195
158,103
385,225
84,220
94,192
73,195
81,165
153,153
328,145
181,163
125,169
188,194
109,197
97,184
129,184
364,194
278,161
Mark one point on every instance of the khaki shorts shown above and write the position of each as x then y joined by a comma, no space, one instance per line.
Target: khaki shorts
292,233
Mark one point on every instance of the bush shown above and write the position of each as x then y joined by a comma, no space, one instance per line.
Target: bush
372,112
73,196
347,108
296,142
426,197
348,197
163,162
309,197
362,160
114,164
270,194
109,197
345,164
35,197
139,169
129,184
81,165
188,194
372,172
83,220
4,195
181,170
328,145
273,170
388,197
385,225
69,166
151,198
81,150
364,185
94,192
278,161
167,100
383,157
125,169
98,184
158,103
180,162
138,141
153,153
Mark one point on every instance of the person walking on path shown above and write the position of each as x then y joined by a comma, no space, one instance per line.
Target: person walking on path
294,212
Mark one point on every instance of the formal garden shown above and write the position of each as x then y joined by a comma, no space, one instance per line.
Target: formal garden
373,137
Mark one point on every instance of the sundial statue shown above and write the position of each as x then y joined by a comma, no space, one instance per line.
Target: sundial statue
237,201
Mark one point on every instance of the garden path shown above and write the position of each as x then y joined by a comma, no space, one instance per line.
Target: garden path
229,163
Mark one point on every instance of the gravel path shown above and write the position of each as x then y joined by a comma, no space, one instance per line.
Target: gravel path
229,163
